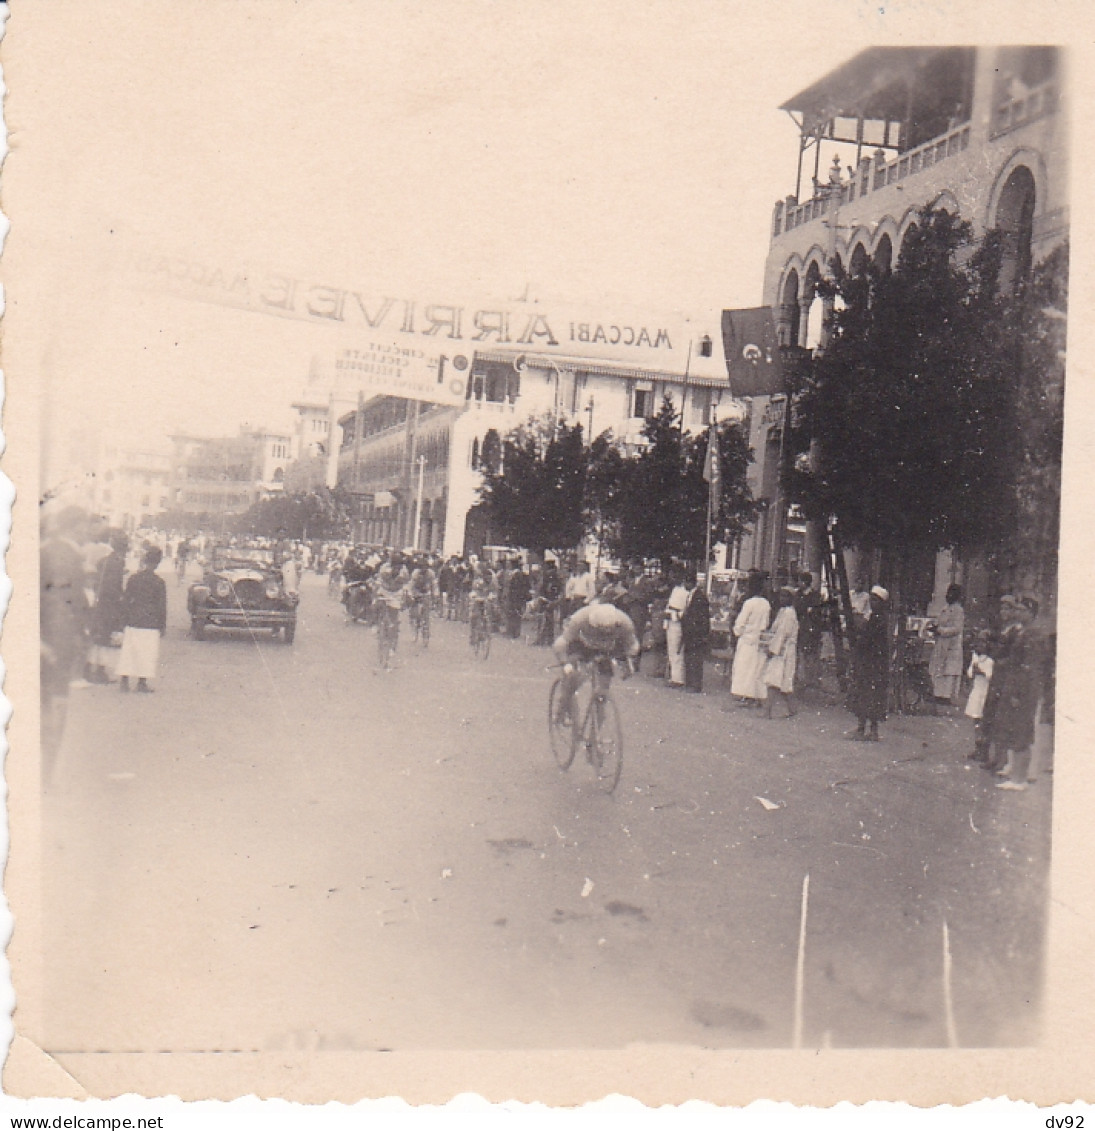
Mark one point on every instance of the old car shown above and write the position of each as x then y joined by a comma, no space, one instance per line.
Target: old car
242,589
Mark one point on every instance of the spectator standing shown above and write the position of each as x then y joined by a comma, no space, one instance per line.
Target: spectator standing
945,665
808,612
695,633
658,639
871,667
517,597
636,603
580,588
551,589
1014,693
107,616
674,633
63,621
747,674
779,670
145,608
980,672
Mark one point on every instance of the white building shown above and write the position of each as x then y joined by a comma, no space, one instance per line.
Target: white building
605,372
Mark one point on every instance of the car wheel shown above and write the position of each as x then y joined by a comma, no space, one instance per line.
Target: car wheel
290,631
197,628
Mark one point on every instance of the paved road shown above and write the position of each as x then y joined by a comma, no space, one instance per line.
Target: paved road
282,848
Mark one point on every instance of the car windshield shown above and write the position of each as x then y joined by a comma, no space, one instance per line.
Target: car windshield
235,556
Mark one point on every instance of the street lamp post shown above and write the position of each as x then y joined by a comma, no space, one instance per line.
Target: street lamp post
418,499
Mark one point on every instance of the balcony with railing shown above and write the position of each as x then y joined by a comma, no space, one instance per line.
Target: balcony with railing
873,174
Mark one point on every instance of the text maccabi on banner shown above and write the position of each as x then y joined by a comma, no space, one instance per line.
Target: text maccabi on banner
447,329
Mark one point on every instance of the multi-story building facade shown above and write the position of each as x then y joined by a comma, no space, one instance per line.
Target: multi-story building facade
126,486
979,131
225,475
406,457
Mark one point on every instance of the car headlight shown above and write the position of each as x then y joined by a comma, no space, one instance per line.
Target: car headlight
272,590
224,588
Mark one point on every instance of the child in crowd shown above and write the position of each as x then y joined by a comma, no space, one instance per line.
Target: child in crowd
980,672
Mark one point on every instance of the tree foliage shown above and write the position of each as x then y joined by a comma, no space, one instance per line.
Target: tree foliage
1039,318
910,414
550,489
660,506
535,492
321,513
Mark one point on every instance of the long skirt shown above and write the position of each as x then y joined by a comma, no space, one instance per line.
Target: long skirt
747,674
674,639
140,654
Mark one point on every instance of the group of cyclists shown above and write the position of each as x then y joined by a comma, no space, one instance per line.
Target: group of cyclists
376,585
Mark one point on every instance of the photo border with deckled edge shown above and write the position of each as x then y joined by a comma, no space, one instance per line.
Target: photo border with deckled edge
1045,1075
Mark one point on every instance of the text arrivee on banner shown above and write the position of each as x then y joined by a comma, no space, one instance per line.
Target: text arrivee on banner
425,350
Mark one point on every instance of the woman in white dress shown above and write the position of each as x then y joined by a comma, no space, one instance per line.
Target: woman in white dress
779,672
747,675
674,634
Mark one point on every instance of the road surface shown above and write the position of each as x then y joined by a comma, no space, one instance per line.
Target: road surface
283,848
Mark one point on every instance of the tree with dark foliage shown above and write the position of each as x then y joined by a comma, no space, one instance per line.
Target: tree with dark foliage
535,493
911,412
660,508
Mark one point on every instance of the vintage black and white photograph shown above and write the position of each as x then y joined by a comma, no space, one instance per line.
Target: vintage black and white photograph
548,526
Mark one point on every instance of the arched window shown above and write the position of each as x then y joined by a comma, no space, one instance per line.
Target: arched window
883,256
910,234
859,262
1015,218
789,314
475,452
279,475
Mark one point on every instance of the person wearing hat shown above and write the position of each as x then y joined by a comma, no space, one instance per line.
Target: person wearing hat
871,667
597,629
1014,693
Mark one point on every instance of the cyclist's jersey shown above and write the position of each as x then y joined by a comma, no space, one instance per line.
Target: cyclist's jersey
390,585
615,637
483,588
423,583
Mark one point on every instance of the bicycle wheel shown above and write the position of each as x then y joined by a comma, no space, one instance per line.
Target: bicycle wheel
484,643
562,735
424,629
605,741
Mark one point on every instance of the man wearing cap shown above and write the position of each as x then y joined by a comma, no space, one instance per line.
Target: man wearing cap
1014,692
871,667
597,629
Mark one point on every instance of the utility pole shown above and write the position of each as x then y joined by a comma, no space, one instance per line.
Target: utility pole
418,499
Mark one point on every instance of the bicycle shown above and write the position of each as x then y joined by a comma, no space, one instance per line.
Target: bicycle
420,620
479,630
596,728
387,634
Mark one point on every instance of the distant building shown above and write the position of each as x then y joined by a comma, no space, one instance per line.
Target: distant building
598,382
124,485
979,131
224,475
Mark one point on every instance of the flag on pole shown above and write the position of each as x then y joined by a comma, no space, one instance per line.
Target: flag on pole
712,468
753,361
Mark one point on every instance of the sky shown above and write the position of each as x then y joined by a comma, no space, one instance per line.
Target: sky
592,153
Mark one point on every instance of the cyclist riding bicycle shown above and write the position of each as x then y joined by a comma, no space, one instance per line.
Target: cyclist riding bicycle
390,584
422,587
599,629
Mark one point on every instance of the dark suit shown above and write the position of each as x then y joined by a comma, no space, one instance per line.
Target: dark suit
695,631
